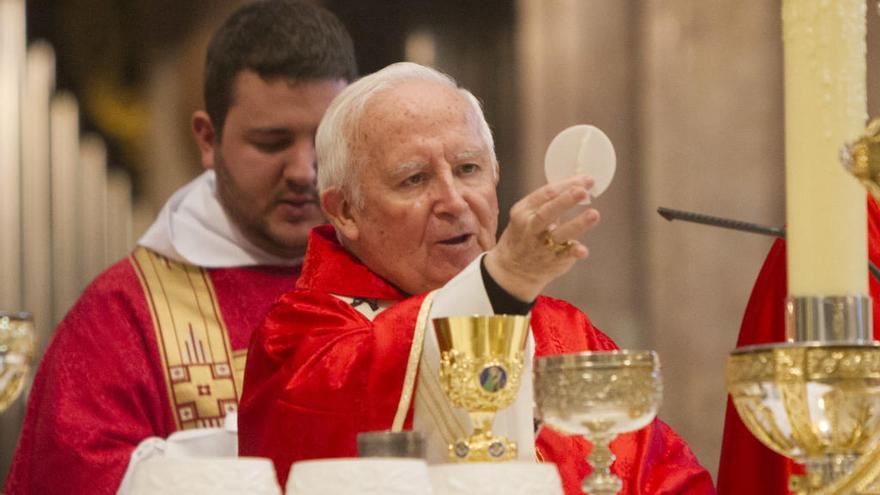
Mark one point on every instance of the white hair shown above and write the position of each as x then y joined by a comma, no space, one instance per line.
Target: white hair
336,137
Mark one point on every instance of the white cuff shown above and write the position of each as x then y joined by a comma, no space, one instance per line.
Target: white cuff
464,294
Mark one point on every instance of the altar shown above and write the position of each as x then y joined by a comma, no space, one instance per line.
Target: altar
828,368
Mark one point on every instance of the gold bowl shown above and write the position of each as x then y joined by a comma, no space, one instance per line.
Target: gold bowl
817,403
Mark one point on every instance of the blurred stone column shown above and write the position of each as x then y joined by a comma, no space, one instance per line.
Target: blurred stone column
174,91
119,217
712,141
92,204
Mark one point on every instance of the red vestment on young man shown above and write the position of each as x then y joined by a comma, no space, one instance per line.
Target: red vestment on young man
746,465
319,372
102,385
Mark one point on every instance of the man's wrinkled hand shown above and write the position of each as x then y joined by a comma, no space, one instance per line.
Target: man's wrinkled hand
540,242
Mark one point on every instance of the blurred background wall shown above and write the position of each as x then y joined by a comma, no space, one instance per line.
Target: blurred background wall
689,92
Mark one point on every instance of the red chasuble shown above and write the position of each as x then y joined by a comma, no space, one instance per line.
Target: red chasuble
109,380
747,466
319,372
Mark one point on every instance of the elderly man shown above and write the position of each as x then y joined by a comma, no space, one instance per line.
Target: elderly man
156,344
407,177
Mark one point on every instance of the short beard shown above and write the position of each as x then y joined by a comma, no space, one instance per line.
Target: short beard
254,228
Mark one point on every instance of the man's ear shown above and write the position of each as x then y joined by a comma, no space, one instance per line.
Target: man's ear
497,171
338,208
205,135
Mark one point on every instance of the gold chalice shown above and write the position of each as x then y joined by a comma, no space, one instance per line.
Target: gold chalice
599,395
481,361
16,353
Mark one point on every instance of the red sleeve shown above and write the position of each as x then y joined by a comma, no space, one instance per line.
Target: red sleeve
96,395
318,373
561,327
306,367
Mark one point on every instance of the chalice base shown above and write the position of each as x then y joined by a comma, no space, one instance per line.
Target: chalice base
602,484
482,448
821,473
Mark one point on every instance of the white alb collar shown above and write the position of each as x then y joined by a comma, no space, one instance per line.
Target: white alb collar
194,228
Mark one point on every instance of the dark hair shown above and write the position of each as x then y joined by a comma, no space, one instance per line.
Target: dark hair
291,39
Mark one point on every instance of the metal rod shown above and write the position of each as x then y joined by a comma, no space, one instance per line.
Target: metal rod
727,223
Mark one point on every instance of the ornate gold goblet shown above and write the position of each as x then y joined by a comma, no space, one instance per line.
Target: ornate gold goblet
481,361
815,402
16,354
599,395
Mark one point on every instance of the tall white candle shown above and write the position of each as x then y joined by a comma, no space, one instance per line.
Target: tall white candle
35,181
824,108
64,123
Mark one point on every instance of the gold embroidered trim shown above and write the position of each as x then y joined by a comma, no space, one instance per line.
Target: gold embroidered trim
203,376
239,361
412,365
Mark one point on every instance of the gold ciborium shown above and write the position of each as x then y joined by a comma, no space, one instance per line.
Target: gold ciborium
16,353
815,402
599,395
481,362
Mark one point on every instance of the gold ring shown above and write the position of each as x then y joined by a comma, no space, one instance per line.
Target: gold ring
556,246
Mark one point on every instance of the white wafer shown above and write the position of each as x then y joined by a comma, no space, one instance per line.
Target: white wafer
581,150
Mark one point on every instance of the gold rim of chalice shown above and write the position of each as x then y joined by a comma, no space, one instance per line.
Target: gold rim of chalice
499,335
598,359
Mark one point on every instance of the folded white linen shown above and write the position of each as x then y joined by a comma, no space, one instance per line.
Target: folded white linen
203,442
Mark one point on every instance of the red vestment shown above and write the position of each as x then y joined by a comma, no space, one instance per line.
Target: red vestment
101,389
746,465
319,372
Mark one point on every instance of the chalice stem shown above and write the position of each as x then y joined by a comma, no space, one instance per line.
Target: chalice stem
482,423
602,481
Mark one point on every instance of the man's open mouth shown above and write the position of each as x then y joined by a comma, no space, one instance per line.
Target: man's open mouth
456,240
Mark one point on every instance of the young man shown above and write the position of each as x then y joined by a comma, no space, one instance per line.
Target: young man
407,177
157,342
